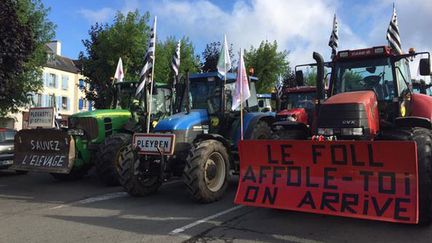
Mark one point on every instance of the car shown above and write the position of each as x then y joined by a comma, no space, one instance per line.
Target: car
7,149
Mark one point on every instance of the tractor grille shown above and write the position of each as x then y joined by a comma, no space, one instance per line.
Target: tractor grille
88,124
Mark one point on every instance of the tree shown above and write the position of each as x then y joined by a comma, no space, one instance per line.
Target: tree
268,65
210,56
24,30
164,54
127,38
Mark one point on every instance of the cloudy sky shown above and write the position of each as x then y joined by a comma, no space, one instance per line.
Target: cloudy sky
299,26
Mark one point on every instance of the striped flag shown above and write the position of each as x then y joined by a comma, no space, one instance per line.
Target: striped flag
393,33
279,86
334,37
146,72
175,64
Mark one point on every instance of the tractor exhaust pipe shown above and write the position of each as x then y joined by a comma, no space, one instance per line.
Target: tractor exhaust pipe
319,77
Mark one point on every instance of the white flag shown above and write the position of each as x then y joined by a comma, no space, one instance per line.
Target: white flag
224,61
241,92
119,74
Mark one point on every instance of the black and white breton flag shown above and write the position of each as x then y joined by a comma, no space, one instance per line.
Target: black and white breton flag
175,64
146,72
393,34
334,38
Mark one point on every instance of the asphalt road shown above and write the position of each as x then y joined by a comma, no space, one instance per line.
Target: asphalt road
36,208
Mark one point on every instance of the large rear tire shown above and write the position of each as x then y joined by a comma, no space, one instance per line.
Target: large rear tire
423,138
206,174
130,178
106,162
261,131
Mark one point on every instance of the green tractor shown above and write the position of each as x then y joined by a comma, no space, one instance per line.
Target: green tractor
92,137
99,134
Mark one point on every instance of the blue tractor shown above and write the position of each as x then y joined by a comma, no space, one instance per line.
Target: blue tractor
198,144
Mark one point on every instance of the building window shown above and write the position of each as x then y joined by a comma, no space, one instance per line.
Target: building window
81,84
85,103
65,81
64,103
80,104
37,99
52,80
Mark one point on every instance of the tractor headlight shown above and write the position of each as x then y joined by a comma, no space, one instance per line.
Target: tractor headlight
76,132
325,131
352,131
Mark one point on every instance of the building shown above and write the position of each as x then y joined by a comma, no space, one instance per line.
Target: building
62,88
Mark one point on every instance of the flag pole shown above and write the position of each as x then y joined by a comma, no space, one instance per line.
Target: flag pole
241,97
152,79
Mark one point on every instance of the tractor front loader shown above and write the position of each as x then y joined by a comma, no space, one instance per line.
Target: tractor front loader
370,152
198,144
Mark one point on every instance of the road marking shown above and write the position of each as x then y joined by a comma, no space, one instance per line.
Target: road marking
105,197
292,238
204,220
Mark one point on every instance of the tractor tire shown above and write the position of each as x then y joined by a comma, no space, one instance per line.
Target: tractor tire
206,173
129,178
261,131
74,174
106,162
423,138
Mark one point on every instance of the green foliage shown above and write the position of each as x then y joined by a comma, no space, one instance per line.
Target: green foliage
164,54
269,64
25,30
210,56
127,38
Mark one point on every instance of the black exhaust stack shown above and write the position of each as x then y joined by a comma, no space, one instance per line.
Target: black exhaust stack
319,77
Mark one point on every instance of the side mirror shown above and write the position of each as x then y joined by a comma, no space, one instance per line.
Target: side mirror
260,103
299,78
424,66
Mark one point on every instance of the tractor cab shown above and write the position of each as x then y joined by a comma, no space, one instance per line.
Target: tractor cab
207,92
369,91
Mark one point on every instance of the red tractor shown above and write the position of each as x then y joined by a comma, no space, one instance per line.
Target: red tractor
369,155
297,105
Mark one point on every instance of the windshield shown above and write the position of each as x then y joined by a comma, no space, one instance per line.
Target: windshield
368,74
299,100
161,101
7,135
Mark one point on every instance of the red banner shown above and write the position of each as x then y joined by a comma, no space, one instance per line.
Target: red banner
360,179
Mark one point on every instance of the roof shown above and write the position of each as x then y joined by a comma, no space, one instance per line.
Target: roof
231,77
61,63
300,89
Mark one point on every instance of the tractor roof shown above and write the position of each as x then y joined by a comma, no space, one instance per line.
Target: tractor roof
212,76
300,89
264,96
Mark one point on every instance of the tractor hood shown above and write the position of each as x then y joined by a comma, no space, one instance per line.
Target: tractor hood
183,121
103,113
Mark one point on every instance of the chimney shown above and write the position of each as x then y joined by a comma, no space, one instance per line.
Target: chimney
55,46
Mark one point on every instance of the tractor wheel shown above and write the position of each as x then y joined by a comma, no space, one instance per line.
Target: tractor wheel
74,174
261,131
106,162
206,173
423,138
129,177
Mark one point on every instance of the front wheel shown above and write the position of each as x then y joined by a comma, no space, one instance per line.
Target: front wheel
206,174
131,178
423,139
107,158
